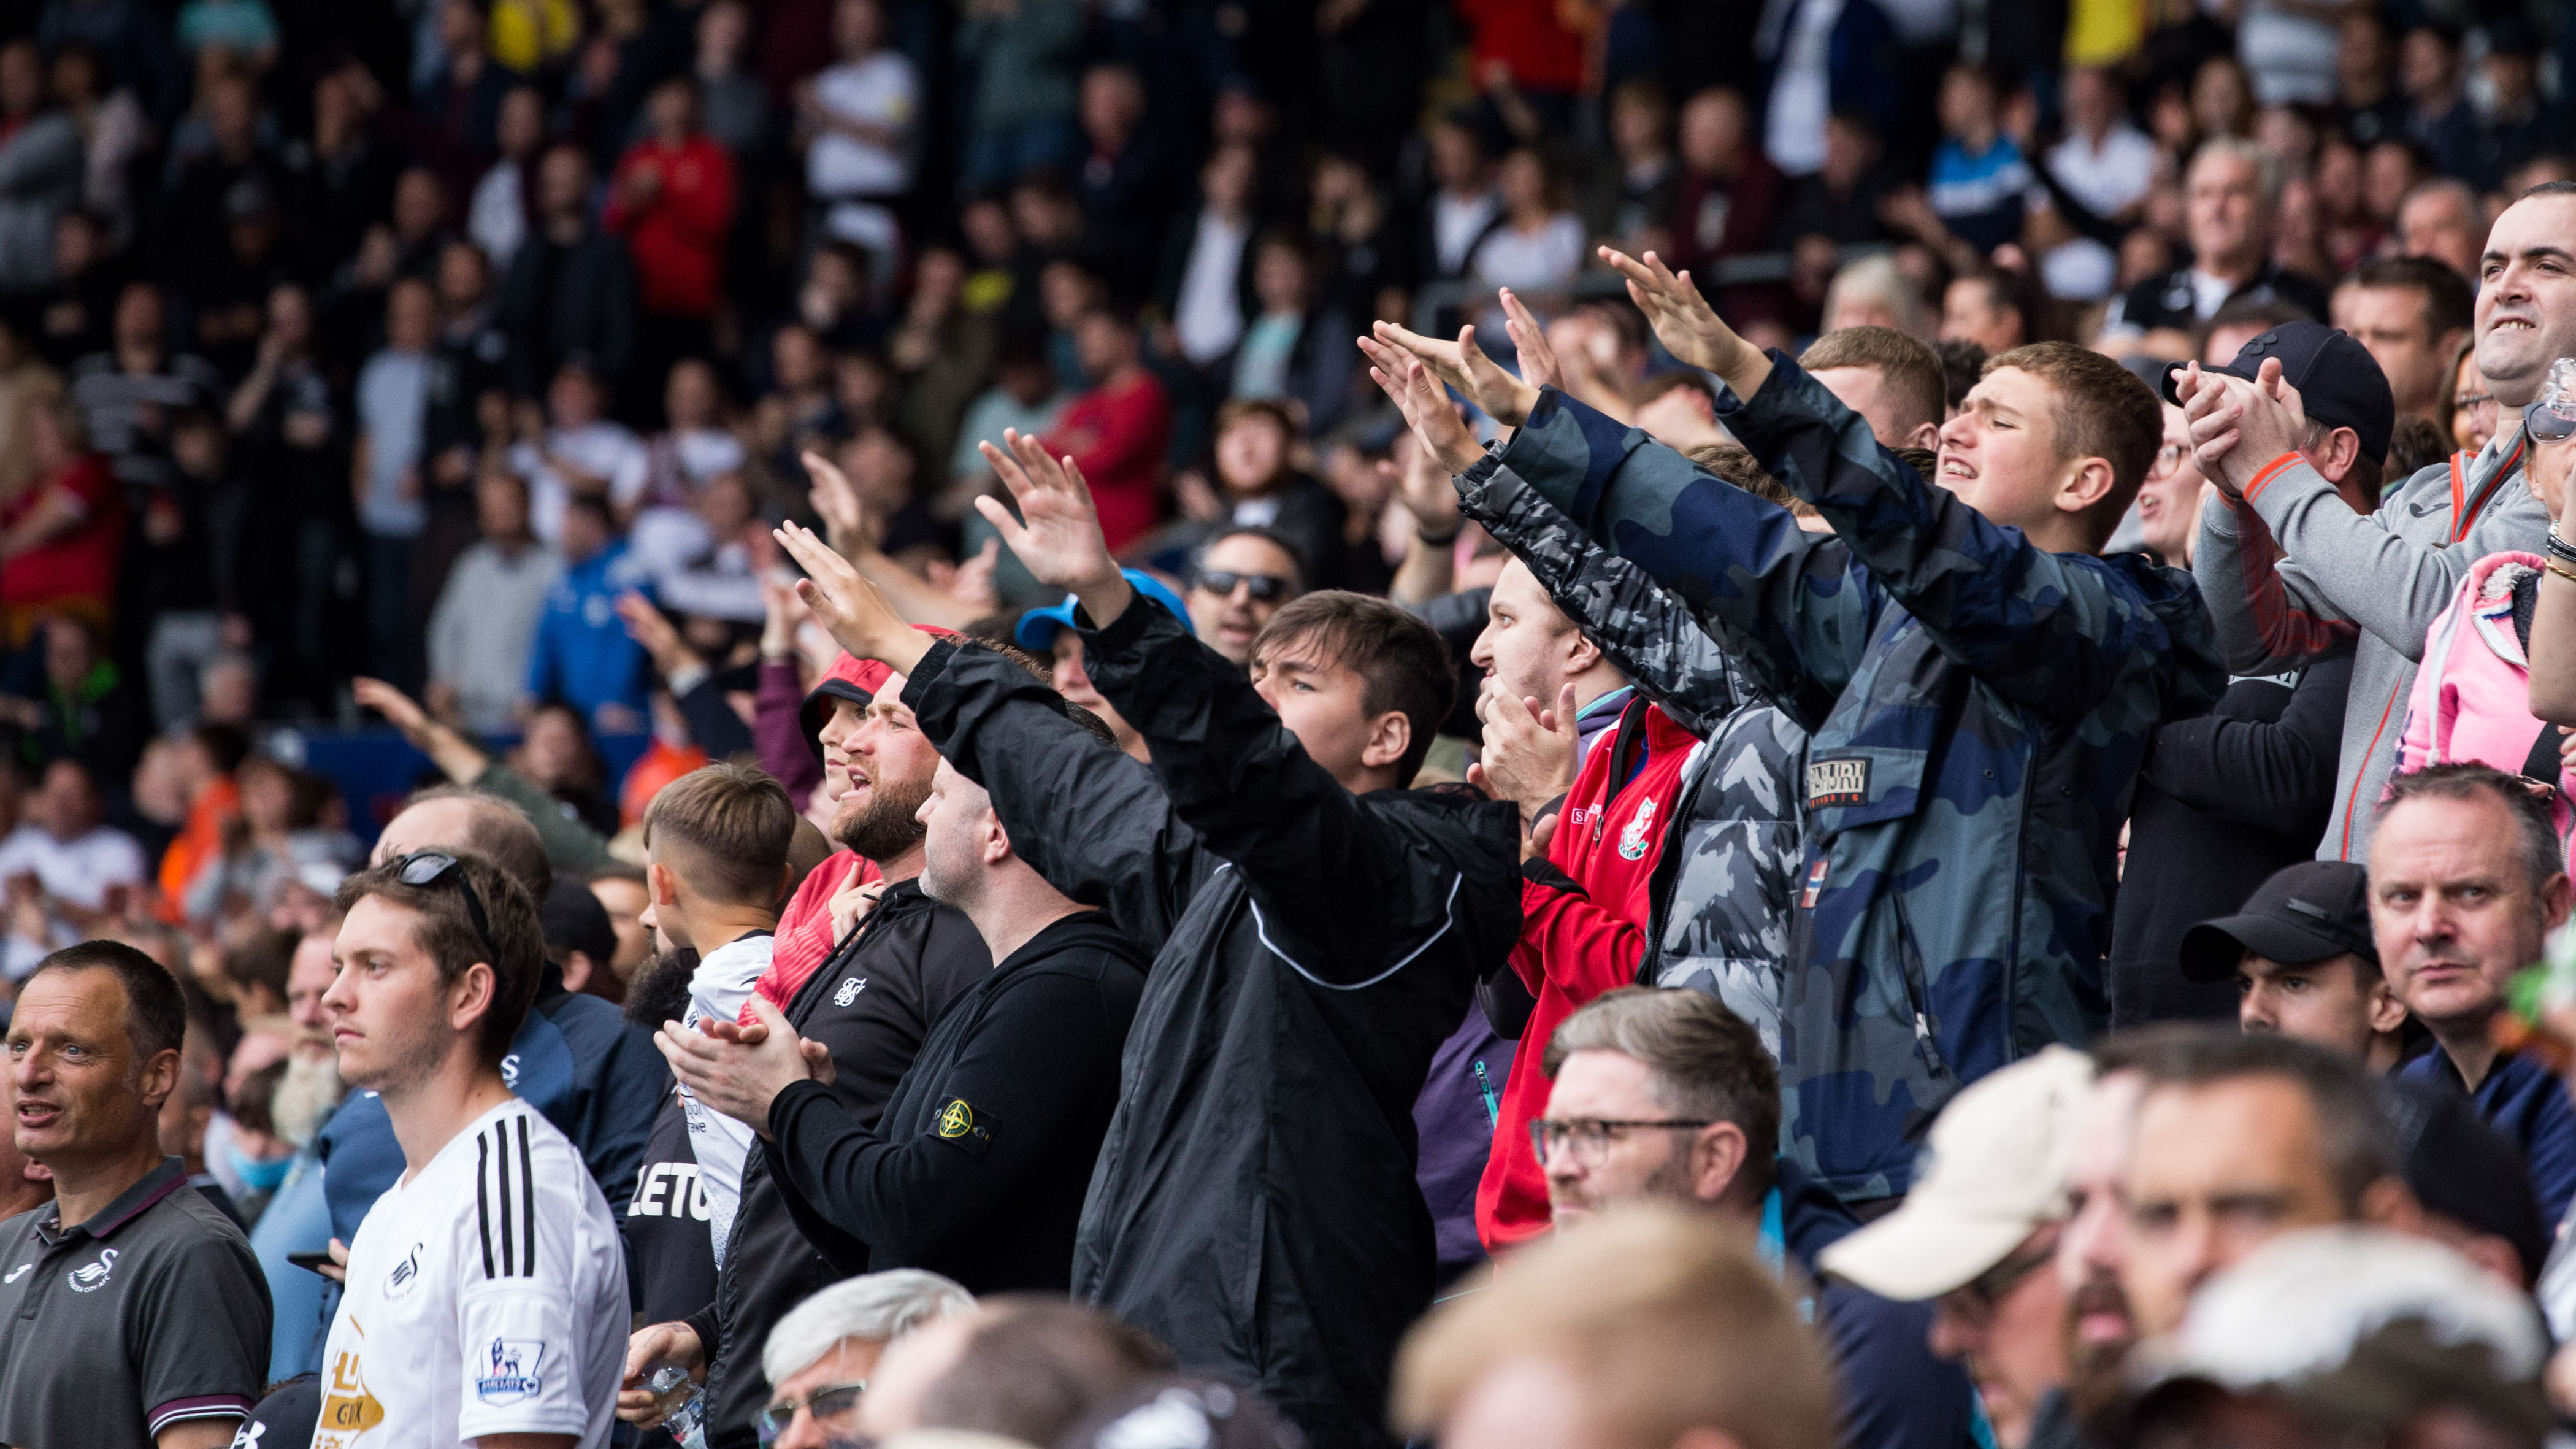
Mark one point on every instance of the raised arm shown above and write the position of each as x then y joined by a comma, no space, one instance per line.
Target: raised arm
1094,822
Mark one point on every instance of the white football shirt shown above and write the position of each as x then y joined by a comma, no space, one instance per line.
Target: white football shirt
487,1295
722,1146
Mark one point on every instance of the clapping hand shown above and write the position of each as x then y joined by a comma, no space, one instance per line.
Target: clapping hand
740,1069
849,607
1688,327
2238,426
1057,533
1462,365
1529,751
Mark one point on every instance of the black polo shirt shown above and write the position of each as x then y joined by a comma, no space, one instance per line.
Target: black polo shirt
152,1312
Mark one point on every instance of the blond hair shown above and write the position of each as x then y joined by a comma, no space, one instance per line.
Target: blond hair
1666,1319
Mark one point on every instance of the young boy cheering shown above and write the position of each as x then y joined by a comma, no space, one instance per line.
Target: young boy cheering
486,1291
1317,929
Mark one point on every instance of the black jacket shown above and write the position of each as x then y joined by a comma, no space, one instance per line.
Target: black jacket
978,1168
2224,800
558,301
873,1002
1254,1206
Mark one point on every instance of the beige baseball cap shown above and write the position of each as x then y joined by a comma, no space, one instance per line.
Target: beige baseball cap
1994,1170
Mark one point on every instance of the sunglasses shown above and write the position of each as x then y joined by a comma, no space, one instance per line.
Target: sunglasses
1265,588
2543,423
823,1404
424,868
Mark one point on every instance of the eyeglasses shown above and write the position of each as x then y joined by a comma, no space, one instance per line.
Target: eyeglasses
1264,587
2475,401
424,868
1977,1300
1586,1137
823,1403
2168,458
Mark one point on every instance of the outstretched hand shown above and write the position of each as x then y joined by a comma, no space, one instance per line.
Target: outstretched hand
1688,327
1539,364
835,500
1463,365
1427,409
1057,533
399,709
851,609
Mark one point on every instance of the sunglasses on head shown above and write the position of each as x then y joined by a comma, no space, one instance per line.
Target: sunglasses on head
424,868
1265,587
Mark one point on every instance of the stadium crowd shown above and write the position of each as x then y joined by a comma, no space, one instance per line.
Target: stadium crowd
1552,724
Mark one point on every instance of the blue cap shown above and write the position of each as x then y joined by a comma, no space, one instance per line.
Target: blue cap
1038,626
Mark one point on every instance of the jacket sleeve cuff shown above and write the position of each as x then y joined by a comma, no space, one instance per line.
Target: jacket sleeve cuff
916,685
2279,486
792,1099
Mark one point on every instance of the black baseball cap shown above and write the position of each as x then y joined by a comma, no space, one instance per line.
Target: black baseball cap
2339,382
574,920
2464,1169
2305,912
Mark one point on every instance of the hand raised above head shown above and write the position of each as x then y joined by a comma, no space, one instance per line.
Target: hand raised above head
842,600
1688,327
1427,410
1463,365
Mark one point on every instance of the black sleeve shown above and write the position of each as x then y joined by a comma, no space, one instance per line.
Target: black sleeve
1336,880
713,724
1024,1076
1094,822
2277,776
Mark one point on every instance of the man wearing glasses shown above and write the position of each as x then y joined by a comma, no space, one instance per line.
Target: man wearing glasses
1243,577
1977,1239
822,1353
486,1290
1667,1096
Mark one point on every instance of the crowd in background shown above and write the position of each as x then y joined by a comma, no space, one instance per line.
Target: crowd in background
612,396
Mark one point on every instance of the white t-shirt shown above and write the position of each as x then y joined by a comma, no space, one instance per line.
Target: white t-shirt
78,871
717,991
881,91
603,448
1208,314
1801,89
487,1295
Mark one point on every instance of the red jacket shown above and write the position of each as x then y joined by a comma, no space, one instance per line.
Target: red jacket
1583,918
1118,440
678,237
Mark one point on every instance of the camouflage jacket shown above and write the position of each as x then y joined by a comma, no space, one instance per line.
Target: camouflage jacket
1978,709
1723,879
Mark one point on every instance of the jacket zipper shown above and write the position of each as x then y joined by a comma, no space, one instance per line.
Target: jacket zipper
1485,1085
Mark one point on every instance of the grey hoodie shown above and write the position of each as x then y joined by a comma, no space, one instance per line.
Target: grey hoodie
2291,572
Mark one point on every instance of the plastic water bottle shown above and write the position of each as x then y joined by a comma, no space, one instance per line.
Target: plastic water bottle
684,1408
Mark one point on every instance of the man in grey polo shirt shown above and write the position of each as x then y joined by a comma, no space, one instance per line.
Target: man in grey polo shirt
145,1321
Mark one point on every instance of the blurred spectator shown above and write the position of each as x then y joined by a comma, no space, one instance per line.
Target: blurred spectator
392,407
461,103
1259,486
2234,188
186,583
1985,308
26,385
278,837
2440,120
73,315
483,629
699,557
2096,181
581,454
1537,244
1840,200
672,199
2515,123
2470,405
860,116
1124,182
1206,293
2443,220
73,858
694,446
733,104
1465,208
2413,315
131,391
2290,48
2367,106
1823,58
60,536
340,179
558,756
942,350
114,134
1023,54
1295,352
497,216
570,291
40,170
1978,174
1727,194
1632,203
1118,431
582,655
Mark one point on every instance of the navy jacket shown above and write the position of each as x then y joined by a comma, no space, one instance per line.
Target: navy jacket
2523,1100
596,1077
1890,1391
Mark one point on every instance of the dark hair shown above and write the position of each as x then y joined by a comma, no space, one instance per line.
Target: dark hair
2353,1126
1272,537
227,745
1916,382
1402,661
253,1106
2542,854
2416,443
156,1011
1707,1062
2450,304
500,832
732,825
2103,411
513,946
266,959
1035,1366
1962,363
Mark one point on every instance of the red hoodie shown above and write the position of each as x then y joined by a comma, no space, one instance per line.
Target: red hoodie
678,237
1583,917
